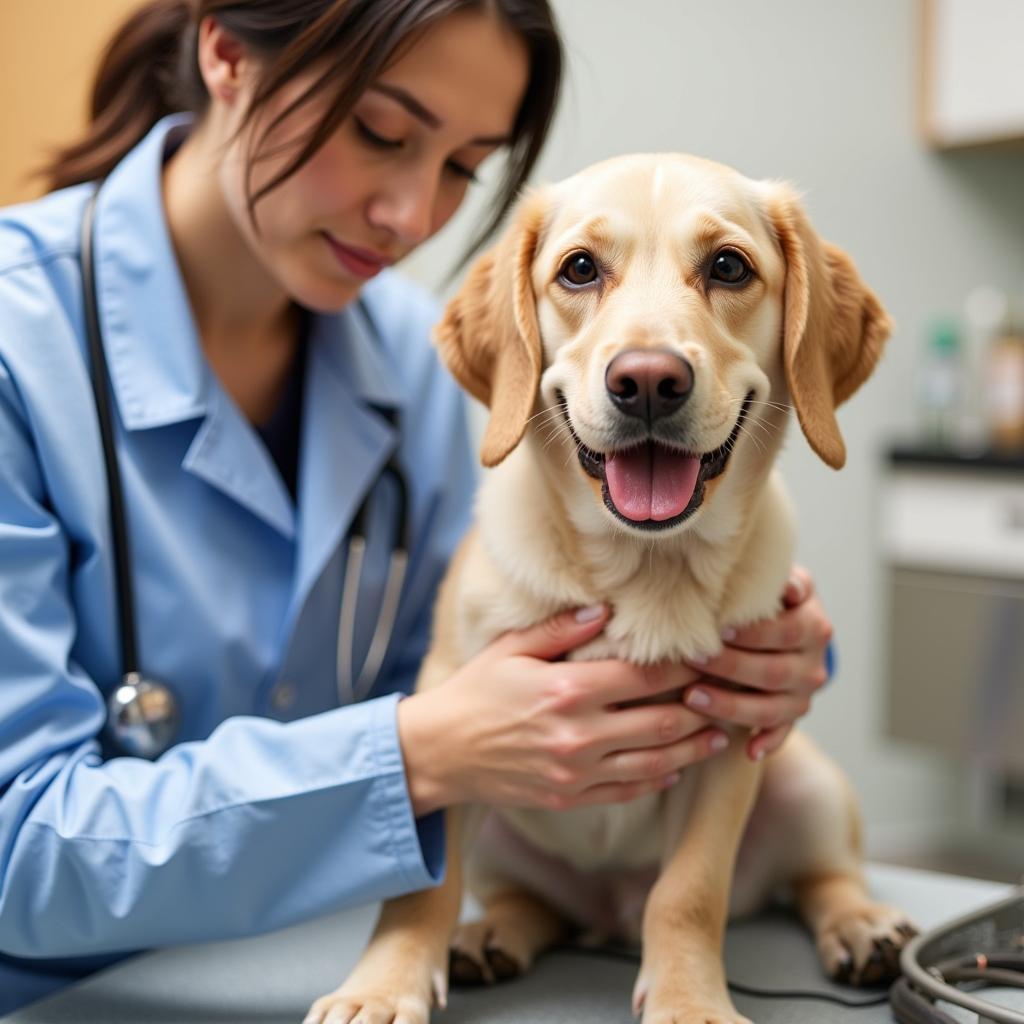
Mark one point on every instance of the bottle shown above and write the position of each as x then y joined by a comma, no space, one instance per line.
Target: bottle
985,316
940,385
1005,389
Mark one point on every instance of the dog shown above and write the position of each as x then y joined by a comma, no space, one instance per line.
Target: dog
639,335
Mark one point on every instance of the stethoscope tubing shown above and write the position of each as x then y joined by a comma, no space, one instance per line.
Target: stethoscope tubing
349,689
99,376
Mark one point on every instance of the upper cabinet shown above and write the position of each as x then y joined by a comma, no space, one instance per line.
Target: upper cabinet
972,72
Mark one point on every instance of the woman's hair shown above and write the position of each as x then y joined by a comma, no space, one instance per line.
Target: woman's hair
150,69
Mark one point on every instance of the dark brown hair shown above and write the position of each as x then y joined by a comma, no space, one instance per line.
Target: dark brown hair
149,69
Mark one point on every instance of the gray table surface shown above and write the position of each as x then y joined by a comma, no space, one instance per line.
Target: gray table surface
272,979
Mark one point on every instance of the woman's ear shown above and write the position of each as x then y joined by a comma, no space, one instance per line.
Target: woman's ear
223,60
834,327
489,337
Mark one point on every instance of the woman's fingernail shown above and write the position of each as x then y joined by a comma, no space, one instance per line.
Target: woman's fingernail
719,741
759,754
670,780
698,699
728,634
699,659
591,612
795,589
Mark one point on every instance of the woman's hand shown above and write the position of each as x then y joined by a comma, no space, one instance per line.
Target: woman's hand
781,658
515,727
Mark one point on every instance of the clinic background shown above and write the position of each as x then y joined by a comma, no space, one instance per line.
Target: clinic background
830,96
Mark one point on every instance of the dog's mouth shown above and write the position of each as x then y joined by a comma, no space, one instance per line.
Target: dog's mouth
655,486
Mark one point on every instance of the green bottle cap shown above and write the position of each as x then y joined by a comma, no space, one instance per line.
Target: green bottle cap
945,336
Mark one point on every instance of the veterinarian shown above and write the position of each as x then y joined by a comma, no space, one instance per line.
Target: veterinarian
260,165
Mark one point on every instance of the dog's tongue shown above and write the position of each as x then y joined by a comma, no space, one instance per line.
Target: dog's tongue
651,482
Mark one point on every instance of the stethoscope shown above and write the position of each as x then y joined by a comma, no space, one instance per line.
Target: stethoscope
983,948
143,713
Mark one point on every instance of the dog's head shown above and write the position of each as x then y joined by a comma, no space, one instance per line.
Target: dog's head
654,311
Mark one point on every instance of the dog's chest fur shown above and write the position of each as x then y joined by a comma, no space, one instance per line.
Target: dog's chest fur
530,559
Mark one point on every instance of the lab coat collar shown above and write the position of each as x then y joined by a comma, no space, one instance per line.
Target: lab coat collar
159,373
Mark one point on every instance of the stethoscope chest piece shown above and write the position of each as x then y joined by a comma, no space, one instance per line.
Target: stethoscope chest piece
142,717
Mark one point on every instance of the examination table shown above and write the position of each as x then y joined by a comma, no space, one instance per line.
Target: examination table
272,979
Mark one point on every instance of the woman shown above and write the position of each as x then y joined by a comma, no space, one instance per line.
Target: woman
262,163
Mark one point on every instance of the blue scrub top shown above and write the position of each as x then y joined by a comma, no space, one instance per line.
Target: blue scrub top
278,804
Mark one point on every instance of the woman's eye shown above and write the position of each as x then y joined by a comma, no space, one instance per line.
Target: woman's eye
579,269
729,268
374,139
461,171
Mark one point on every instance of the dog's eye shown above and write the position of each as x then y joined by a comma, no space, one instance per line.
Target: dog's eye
579,269
729,268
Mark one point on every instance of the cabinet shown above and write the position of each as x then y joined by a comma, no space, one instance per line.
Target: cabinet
953,539
971,80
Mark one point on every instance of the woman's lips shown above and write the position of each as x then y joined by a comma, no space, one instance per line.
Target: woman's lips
360,262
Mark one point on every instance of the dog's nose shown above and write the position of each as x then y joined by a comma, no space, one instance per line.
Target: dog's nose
648,383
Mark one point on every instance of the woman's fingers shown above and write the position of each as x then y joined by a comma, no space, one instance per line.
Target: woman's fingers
803,627
754,710
801,674
555,636
577,686
618,682
761,744
652,725
654,763
798,587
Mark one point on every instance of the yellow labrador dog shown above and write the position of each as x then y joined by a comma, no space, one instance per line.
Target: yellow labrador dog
640,334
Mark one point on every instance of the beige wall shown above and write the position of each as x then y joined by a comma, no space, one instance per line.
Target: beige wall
48,52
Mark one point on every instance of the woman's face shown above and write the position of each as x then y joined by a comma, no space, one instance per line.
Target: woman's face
392,173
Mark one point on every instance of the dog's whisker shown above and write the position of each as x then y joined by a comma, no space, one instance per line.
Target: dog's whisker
768,429
781,406
557,432
569,457
754,439
553,424
551,414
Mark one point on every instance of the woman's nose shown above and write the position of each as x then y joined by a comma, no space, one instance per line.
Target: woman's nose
405,207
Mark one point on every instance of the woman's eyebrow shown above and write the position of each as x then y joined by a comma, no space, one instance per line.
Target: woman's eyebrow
430,119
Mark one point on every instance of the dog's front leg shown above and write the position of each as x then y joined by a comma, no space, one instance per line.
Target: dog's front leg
405,967
682,979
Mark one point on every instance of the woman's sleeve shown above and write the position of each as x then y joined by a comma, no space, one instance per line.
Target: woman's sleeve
260,825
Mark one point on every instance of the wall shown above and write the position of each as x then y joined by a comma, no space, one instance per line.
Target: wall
47,51
822,94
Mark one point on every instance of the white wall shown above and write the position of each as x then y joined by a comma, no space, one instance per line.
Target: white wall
822,94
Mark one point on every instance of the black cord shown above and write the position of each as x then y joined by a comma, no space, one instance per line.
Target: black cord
98,373
616,953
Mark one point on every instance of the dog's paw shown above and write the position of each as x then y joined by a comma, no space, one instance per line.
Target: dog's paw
482,954
693,1015
675,1007
340,1009
862,946
367,1000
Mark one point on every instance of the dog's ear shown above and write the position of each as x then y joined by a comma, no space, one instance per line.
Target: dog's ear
833,328
489,337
